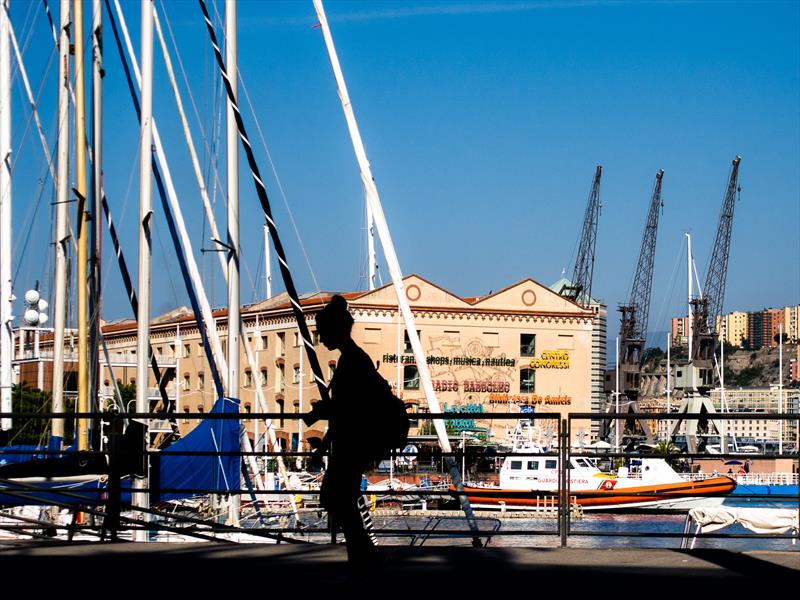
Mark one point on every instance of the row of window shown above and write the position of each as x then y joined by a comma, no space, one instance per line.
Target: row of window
248,381
261,344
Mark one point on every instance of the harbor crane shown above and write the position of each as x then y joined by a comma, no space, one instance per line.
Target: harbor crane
706,311
634,315
579,290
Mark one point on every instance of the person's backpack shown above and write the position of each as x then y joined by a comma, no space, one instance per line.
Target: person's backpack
389,424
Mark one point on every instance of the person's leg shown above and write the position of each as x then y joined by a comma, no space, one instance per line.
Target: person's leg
359,543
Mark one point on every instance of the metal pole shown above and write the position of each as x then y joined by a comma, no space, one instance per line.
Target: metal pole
145,246
97,197
373,266
780,388
723,445
231,56
62,224
300,404
267,264
616,395
6,345
689,320
232,147
83,224
669,386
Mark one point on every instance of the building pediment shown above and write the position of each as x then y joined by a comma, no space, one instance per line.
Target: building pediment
419,292
528,295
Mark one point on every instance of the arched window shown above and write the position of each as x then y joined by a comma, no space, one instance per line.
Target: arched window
527,381
410,377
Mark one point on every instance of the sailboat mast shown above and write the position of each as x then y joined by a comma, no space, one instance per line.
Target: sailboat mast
373,200
62,224
267,264
82,436
145,247
390,255
669,384
780,387
232,151
97,191
232,147
373,265
5,219
689,276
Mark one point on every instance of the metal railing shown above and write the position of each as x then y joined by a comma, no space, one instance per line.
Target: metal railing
425,510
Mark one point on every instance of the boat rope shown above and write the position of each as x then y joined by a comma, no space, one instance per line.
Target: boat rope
191,292
261,191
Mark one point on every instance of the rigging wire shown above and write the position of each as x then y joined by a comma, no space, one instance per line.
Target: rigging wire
33,109
25,231
262,139
26,29
669,298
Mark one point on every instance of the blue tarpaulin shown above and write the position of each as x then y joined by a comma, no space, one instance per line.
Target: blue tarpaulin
177,471
169,469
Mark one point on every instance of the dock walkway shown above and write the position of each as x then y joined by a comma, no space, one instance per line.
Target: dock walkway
207,570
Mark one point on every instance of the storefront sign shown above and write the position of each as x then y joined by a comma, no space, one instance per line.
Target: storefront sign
462,424
551,359
458,361
472,385
530,399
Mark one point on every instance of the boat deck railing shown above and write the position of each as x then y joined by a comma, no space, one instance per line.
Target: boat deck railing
273,503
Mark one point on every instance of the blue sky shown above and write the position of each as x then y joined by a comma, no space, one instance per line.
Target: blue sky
483,123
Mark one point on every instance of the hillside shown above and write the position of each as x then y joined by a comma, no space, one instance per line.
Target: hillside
743,368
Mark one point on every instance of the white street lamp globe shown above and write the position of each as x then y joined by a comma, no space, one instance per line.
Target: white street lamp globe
42,305
31,317
31,297
43,318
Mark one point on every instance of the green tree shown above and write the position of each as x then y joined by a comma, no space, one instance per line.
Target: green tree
665,448
35,430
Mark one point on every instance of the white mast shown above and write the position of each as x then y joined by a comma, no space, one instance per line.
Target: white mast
232,143
373,199
194,273
145,249
390,255
62,222
616,396
373,265
5,219
267,264
186,242
300,400
780,388
669,386
689,320
232,147
723,444
97,204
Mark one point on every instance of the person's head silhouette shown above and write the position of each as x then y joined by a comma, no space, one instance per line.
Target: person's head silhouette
334,323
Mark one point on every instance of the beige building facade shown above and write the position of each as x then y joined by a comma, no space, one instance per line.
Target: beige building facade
522,348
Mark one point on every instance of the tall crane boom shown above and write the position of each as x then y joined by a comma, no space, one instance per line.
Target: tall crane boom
708,306
634,314
718,265
580,289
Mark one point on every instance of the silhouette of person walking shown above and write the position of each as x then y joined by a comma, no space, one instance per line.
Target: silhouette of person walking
347,414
